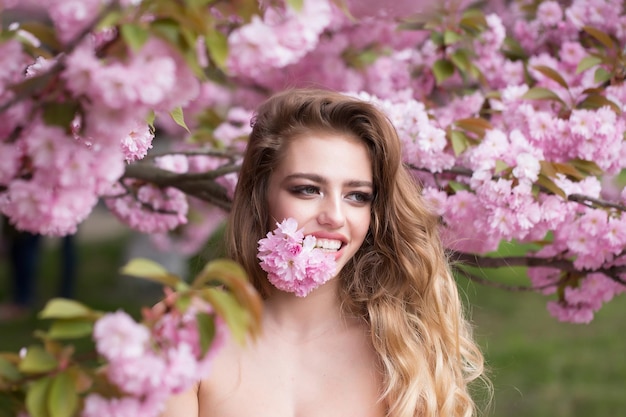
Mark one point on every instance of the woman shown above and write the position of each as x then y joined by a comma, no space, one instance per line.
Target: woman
386,336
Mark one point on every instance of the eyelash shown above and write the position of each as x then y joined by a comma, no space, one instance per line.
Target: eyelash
306,190
364,198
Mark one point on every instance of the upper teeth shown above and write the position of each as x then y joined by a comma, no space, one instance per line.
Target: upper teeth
328,244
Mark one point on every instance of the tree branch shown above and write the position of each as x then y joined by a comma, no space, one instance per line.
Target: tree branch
587,201
199,185
515,288
230,155
534,261
583,199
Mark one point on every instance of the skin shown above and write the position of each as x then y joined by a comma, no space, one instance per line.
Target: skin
311,360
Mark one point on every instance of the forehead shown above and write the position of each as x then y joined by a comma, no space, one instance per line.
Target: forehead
328,154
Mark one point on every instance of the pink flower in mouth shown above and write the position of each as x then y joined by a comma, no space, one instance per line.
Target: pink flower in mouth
292,261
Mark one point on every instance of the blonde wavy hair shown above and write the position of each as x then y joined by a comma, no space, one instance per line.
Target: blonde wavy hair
399,281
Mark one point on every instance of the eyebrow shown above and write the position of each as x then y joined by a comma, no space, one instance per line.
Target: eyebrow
321,180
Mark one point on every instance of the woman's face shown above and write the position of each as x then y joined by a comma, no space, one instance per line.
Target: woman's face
324,182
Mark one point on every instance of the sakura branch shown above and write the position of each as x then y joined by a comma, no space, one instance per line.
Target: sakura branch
615,273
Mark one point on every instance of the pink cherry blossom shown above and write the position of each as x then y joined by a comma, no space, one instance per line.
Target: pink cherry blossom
291,260
72,16
136,145
118,336
99,406
549,13
138,376
278,39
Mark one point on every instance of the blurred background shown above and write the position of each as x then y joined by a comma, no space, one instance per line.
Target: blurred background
539,367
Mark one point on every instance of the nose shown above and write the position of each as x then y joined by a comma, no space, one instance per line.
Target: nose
331,212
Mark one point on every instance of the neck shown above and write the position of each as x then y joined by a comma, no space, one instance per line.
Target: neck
303,316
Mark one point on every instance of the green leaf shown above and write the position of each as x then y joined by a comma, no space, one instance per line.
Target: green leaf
436,38
552,74
600,36
183,301
146,268
457,186
32,85
552,169
588,62
596,101
451,37
61,308
62,396
587,167
551,186
541,93
547,169
178,117
168,29
217,47
227,307
37,360
36,395
234,278
198,4
81,378
459,141
296,4
443,69
513,49
474,124
461,59
134,35
473,21
8,370
70,329
223,271
246,9
60,114
110,20
500,166
150,118
44,33
601,75
206,329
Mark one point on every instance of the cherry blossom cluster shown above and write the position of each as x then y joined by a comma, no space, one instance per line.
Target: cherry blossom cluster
56,173
150,362
291,34
292,261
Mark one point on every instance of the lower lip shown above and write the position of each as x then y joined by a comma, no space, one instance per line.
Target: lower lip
339,253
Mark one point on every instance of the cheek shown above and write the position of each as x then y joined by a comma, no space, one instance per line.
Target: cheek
362,225
282,208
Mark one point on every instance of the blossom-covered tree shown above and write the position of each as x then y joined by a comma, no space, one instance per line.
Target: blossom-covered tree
512,116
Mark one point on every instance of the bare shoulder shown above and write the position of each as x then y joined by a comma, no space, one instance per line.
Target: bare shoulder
334,375
183,405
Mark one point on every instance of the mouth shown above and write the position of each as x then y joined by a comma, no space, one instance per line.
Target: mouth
329,245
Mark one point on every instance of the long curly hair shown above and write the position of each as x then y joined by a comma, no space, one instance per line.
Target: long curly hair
399,281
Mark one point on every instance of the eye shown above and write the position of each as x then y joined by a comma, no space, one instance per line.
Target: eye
360,197
305,190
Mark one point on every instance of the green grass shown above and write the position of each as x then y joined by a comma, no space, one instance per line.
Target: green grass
543,368
539,367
